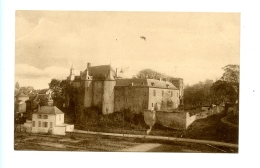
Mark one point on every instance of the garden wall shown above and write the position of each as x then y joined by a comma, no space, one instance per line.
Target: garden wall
175,120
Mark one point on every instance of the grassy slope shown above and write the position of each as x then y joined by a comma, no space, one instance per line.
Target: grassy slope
212,128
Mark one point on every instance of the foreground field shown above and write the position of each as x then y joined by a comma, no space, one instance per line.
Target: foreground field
210,128
100,143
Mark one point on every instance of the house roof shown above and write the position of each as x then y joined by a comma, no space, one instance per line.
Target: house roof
43,91
19,102
21,94
41,98
145,82
49,110
32,98
100,72
30,93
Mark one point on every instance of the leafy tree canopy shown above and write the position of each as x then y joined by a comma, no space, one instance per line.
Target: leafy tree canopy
151,74
54,84
231,74
227,88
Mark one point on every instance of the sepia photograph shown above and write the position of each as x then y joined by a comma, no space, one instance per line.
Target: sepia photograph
126,81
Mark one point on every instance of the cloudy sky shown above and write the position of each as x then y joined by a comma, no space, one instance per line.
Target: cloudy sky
193,46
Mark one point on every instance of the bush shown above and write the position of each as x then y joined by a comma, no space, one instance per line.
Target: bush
118,120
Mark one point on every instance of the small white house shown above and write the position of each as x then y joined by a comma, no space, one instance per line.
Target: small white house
49,119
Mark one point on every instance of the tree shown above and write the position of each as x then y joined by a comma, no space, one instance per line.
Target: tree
198,94
231,74
54,84
227,88
57,95
64,89
76,99
149,73
223,92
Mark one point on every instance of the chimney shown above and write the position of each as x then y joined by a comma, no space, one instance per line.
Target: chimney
88,65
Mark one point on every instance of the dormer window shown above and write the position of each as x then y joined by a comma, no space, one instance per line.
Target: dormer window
152,84
167,85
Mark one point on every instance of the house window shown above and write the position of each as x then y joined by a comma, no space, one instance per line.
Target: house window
152,104
33,124
51,124
45,124
39,116
154,92
162,92
126,100
45,116
39,123
171,94
177,94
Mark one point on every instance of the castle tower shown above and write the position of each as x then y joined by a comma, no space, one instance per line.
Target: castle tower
108,94
87,80
71,76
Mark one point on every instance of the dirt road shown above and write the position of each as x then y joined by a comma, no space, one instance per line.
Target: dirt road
38,142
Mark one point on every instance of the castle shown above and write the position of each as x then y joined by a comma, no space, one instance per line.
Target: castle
105,90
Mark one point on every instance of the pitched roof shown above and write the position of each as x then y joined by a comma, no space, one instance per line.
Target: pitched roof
43,91
145,82
32,98
49,110
41,98
77,79
21,94
101,72
19,102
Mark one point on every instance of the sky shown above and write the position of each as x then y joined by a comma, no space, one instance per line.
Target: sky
192,46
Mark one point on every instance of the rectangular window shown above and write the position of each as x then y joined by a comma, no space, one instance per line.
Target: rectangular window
171,94
39,123
45,124
152,104
51,124
33,124
39,116
162,92
154,92
45,116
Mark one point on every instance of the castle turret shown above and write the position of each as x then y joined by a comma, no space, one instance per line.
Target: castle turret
108,95
71,76
87,79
